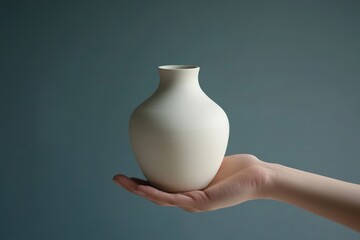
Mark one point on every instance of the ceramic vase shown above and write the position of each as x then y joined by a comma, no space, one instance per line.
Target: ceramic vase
179,135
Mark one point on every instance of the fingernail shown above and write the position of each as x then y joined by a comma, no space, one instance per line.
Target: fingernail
118,177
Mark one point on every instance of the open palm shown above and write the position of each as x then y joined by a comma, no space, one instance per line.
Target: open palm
240,178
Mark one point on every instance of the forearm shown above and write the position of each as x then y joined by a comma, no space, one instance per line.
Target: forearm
333,199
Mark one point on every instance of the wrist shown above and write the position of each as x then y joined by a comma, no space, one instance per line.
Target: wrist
270,182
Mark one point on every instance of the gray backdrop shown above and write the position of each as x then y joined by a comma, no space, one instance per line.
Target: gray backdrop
286,72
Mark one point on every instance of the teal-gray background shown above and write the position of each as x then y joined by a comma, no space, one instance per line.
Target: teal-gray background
286,72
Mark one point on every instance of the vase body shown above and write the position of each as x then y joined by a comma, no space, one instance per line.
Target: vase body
179,135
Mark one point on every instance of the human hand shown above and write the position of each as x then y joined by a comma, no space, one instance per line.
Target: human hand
241,177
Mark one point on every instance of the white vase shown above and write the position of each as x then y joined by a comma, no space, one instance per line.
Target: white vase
179,135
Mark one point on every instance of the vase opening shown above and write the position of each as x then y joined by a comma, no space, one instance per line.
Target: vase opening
178,67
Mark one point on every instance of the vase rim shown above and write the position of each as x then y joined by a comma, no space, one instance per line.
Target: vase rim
178,67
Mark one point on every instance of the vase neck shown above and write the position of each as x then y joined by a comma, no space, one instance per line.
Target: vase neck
179,76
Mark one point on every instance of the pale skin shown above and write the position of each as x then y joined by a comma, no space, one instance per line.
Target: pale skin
243,177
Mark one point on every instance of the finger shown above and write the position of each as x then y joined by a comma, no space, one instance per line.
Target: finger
161,198
164,198
128,184
140,181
